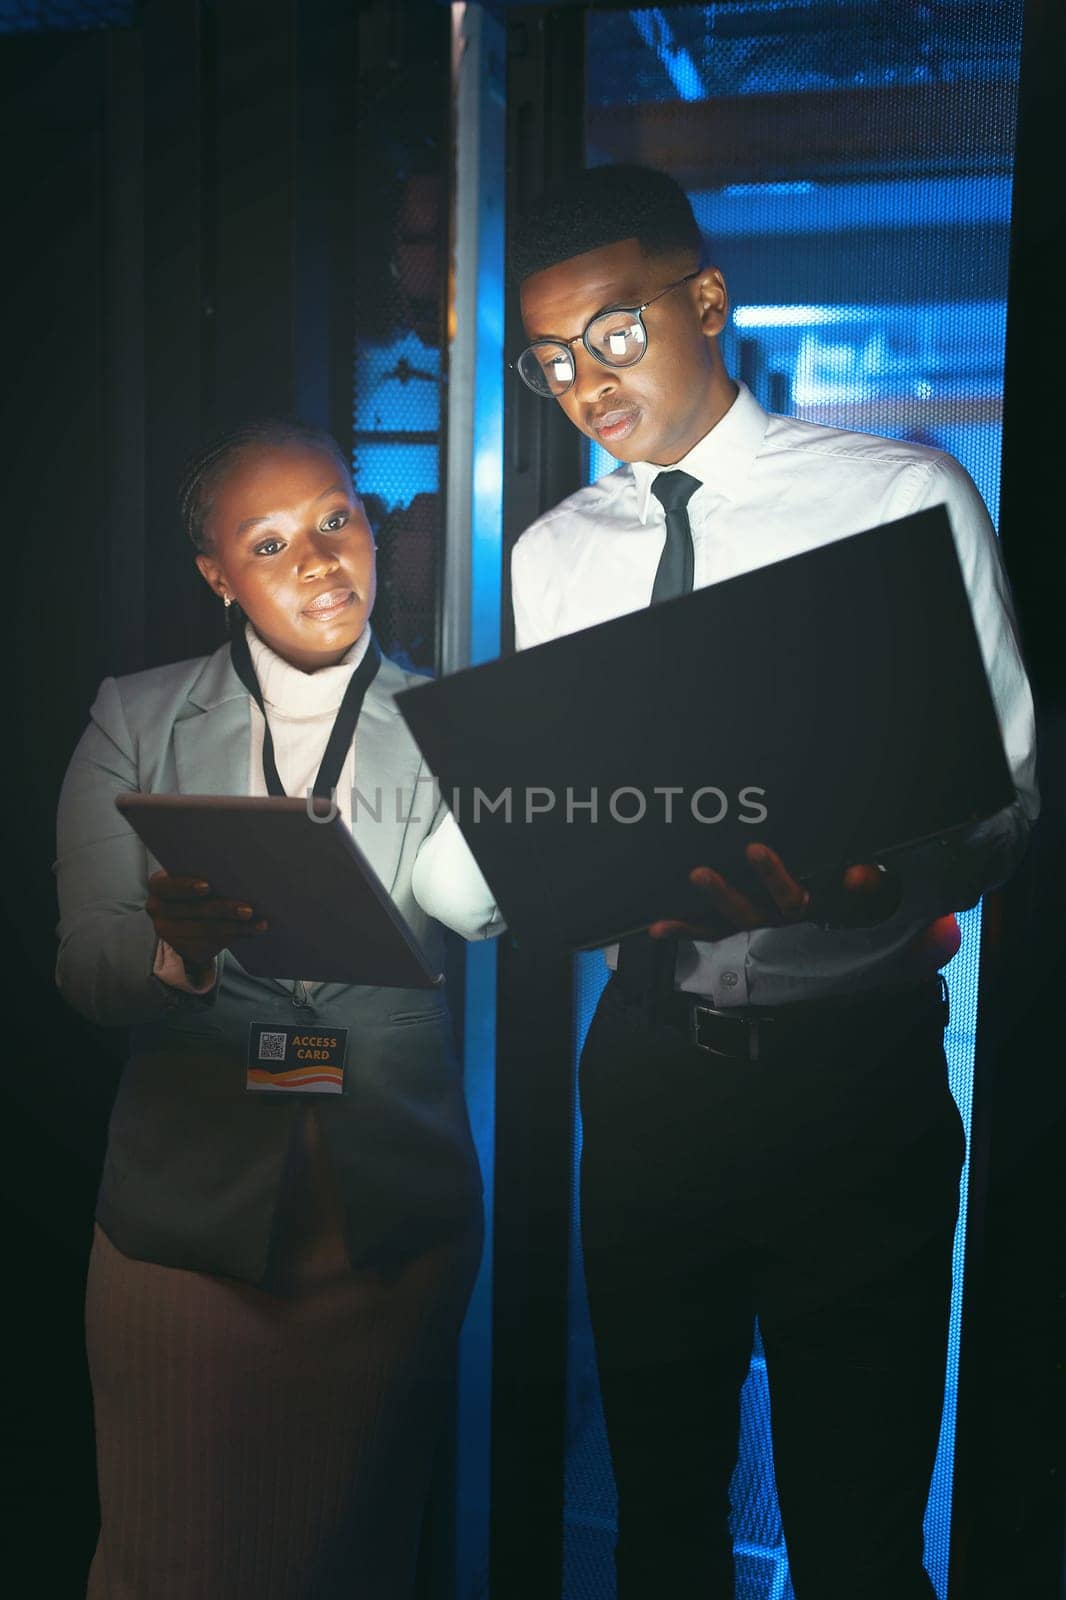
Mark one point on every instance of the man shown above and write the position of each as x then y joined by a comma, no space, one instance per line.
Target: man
790,1149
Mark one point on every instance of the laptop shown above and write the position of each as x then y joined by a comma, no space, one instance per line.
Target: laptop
833,705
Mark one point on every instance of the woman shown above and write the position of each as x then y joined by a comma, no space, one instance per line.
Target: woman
277,1279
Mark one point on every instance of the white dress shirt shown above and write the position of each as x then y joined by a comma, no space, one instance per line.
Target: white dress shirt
302,707
772,487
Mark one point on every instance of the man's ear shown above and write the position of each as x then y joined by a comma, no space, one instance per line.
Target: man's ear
713,301
212,576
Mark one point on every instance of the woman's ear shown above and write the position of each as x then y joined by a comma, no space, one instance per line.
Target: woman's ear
212,576
713,302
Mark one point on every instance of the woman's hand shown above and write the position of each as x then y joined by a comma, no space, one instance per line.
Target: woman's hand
192,921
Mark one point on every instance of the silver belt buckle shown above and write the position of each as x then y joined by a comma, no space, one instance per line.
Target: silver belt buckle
750,1026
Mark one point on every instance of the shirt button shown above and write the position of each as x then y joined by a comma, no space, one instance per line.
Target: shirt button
729,979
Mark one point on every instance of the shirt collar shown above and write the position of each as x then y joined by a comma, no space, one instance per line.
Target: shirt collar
721,459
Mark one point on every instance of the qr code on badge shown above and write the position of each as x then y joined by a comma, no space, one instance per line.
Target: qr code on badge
272,1046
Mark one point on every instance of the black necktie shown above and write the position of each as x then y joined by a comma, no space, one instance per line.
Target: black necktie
673,575
646,966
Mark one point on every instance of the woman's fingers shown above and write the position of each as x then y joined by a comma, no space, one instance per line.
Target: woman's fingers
200,910
190,899
174,888
194,922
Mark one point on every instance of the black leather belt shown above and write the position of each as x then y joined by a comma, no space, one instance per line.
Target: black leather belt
749,1035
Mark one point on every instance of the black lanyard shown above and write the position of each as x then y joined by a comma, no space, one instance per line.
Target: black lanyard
340,739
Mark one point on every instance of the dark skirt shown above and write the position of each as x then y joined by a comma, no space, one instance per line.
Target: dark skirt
258,1445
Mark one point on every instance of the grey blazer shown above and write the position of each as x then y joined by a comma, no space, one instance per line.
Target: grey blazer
194,1162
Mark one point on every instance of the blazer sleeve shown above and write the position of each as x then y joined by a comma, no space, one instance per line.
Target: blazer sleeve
107,944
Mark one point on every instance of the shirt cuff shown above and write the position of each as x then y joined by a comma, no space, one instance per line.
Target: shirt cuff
170,968
448,884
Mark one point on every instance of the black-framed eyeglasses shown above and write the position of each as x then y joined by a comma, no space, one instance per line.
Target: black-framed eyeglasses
614,338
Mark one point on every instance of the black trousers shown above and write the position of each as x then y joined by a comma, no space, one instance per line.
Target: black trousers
818,1191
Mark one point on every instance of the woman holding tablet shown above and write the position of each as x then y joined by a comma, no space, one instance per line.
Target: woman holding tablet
278,1275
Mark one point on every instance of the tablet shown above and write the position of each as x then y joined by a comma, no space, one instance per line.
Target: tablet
331,919
834,705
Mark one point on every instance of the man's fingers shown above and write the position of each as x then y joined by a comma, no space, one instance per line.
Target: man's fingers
730,910
667,930
735,909
789,896
863,879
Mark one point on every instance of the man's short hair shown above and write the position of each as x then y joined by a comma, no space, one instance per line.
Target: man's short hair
596,206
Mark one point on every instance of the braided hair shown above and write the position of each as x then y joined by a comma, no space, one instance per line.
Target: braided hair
206,470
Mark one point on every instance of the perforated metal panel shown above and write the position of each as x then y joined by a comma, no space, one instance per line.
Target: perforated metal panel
396,464
798,46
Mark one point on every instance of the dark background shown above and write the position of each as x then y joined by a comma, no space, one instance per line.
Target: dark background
203,205
200,207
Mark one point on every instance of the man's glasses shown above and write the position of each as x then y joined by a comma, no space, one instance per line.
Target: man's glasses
615,338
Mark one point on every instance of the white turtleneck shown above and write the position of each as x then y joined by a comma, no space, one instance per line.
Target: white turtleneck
302,707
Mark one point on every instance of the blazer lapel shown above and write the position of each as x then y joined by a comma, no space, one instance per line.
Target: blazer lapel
211,747
386,800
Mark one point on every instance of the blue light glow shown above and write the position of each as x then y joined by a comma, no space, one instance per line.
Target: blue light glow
396,473
741,209
931,372
479,111
655,31
962,975
761,190
486,568
794,47
397,386
795,316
